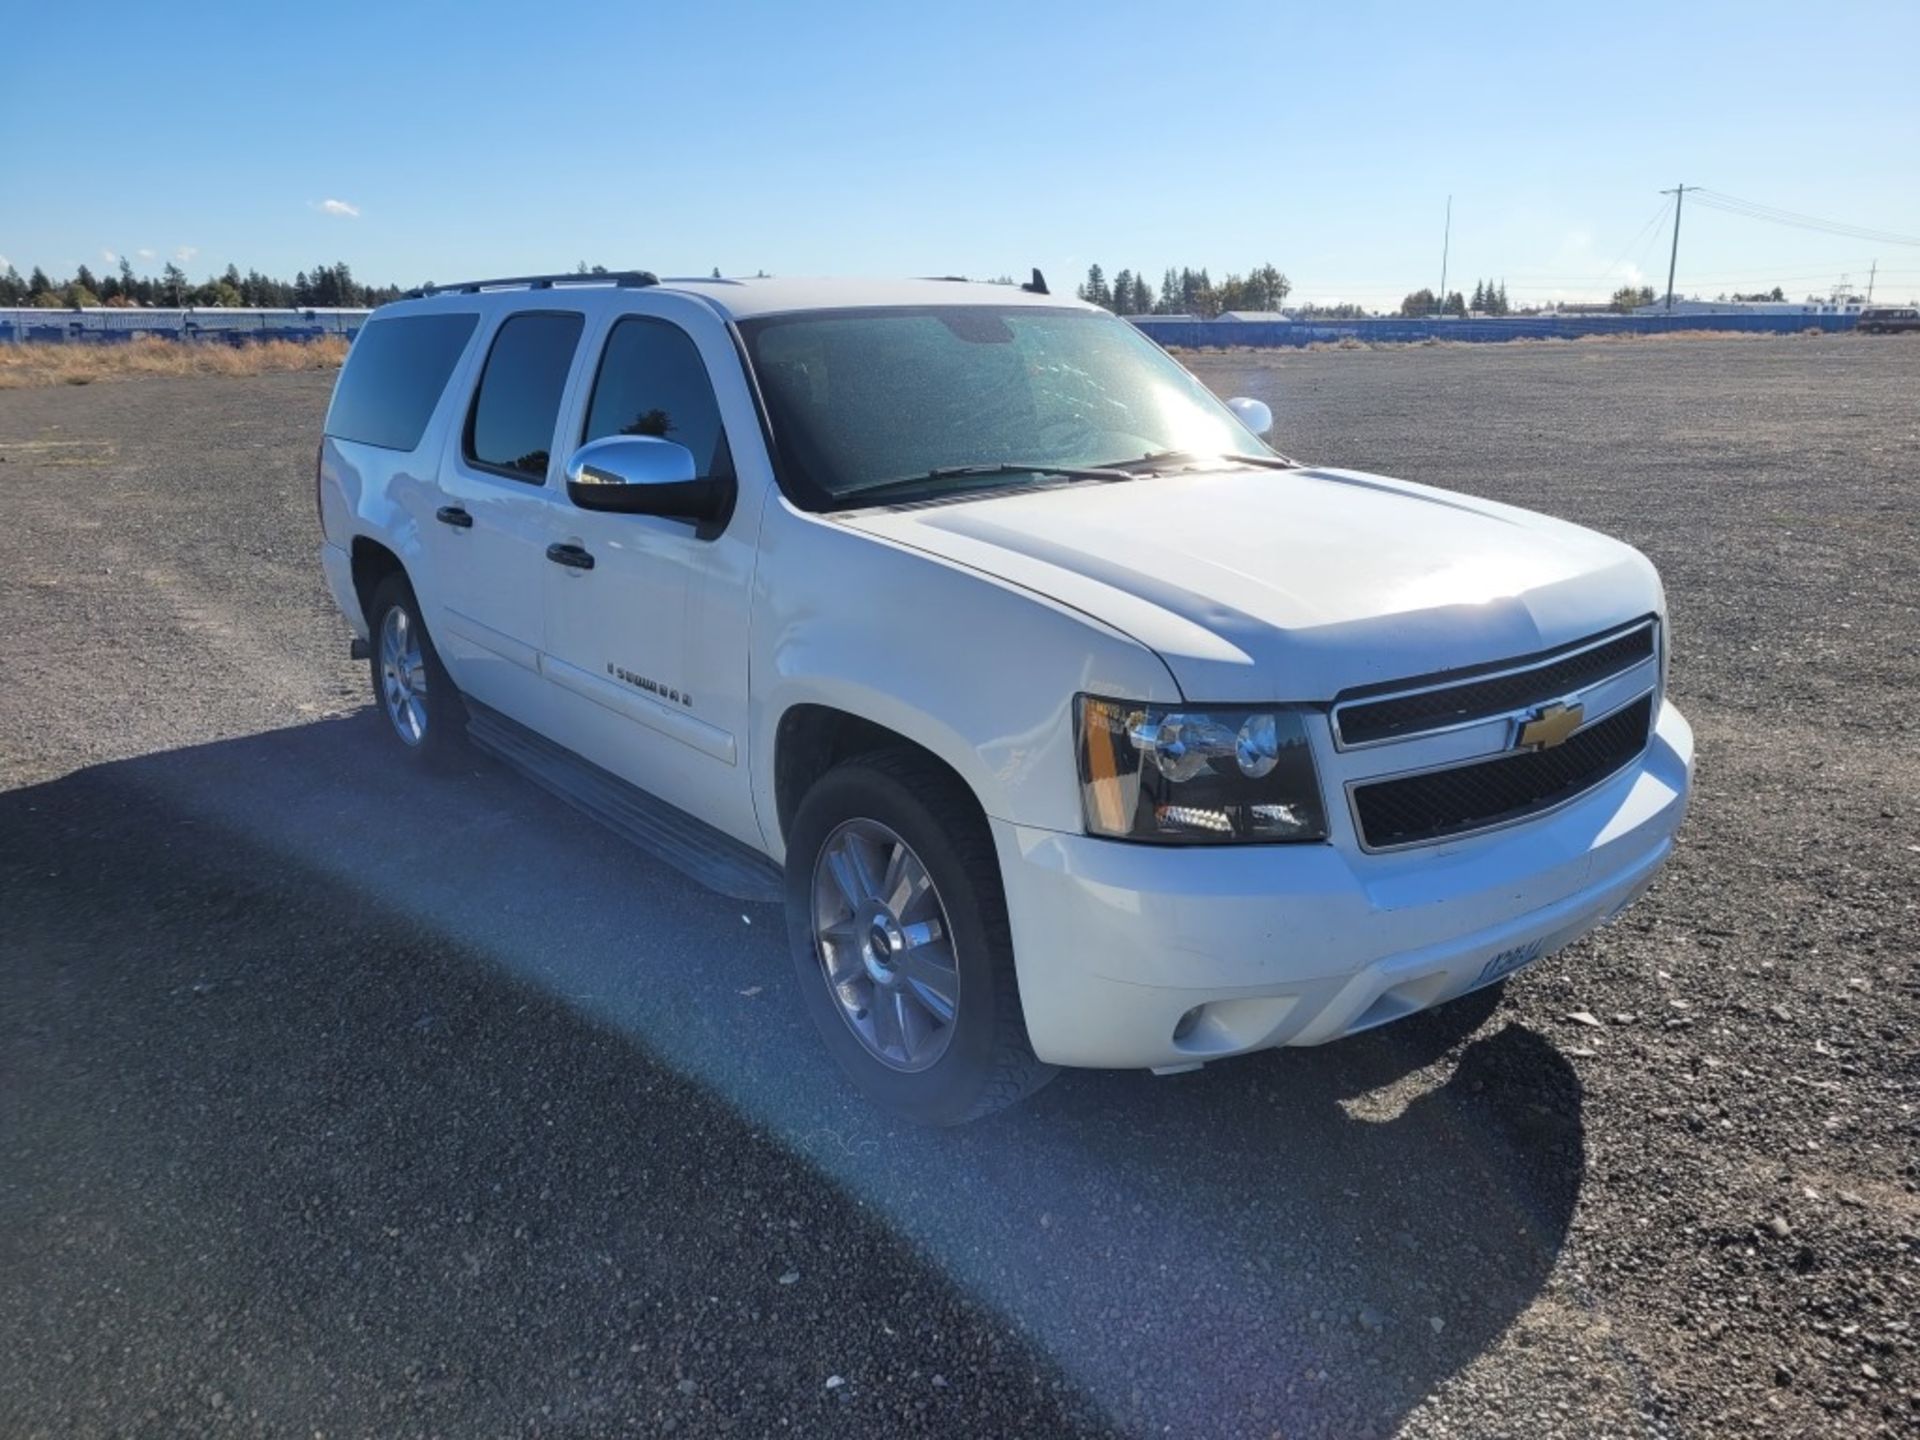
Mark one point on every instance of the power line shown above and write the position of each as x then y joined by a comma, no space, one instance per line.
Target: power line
1607,275
1773,214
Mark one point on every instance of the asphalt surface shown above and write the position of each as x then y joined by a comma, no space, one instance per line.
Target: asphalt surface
334,1101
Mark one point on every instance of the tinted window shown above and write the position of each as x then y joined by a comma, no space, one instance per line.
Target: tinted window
860,398
518,403
652,382
395,373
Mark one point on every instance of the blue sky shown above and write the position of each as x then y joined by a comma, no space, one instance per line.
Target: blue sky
840,138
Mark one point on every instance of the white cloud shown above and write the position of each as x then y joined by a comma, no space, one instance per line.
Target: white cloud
5,263
144,253
108,256
185,253
337,207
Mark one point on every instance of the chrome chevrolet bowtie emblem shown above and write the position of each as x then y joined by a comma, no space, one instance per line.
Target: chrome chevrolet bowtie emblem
1549,726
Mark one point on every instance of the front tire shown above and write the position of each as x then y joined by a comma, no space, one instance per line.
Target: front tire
411,688
898,927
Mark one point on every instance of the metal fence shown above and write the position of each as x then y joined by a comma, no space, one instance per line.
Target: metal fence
1202,334
107,325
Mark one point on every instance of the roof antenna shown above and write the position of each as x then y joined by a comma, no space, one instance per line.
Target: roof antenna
1037,285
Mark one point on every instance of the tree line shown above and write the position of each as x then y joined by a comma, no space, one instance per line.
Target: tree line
1489,298
1185,291
323,286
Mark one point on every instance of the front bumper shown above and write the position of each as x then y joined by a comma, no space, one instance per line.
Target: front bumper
1117,943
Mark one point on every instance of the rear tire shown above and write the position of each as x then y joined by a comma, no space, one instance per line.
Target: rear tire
418,704
898,926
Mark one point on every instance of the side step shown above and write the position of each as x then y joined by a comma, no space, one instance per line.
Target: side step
664,831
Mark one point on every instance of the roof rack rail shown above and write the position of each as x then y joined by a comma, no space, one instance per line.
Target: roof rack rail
626,279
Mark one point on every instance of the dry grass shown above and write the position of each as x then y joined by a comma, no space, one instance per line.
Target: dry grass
26,366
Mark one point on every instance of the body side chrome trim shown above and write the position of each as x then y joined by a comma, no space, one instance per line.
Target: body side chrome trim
637,706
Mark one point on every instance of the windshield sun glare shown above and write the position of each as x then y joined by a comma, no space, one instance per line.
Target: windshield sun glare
864,399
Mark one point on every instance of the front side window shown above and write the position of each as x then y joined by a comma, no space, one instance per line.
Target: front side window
510,429
866,398
652,382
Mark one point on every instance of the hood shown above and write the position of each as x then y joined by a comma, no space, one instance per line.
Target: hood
1292,584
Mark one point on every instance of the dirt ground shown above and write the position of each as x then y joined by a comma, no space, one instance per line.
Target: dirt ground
332,1101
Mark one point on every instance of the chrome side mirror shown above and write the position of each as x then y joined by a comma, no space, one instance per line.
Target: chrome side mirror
1254,414
646,475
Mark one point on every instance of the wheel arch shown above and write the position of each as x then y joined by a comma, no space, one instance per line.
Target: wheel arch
811,738
372,563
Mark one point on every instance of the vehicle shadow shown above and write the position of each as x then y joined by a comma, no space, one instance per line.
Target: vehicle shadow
384,1102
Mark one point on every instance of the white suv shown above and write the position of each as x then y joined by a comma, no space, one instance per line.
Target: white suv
1071,723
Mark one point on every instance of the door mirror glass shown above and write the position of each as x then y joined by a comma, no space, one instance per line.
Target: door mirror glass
645,475
1253,414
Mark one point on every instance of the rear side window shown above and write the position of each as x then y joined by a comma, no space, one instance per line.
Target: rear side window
393,378
652,382
510,430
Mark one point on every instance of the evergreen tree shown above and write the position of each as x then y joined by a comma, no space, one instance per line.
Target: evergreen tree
13,290
38,284
1096,290
1169,294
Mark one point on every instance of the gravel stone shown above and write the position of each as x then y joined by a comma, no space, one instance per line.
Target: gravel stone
277,1188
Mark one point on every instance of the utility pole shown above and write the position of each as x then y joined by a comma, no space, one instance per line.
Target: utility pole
1446,240
1679,193
1870,274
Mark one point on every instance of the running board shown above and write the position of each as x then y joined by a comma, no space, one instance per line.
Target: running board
664,831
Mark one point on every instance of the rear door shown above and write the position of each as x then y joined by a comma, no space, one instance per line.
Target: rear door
647,650
494,519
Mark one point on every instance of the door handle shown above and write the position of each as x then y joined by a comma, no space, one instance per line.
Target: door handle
572,556
453,515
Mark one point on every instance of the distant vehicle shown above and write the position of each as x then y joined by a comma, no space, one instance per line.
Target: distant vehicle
1071,723
1889,319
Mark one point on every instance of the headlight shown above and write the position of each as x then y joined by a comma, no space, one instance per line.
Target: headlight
1209,776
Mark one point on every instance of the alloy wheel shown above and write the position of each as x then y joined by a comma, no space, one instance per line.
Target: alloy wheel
885,949
403,675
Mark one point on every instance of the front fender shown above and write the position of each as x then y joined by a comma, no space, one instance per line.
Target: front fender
972,668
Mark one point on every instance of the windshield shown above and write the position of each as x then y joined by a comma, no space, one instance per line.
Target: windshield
867,398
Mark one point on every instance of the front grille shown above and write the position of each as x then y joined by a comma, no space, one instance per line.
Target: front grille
1490,792
1391,717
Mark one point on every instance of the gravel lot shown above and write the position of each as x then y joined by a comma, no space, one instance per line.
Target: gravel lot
336,1102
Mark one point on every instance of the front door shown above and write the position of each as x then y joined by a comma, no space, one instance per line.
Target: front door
647,650
495,515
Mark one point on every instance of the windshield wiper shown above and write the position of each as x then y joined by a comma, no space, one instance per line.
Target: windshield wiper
1262,462
908,483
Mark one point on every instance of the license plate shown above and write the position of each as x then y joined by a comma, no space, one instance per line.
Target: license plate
1517,957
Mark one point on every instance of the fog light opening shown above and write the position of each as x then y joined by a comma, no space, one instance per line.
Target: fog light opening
1184,1026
